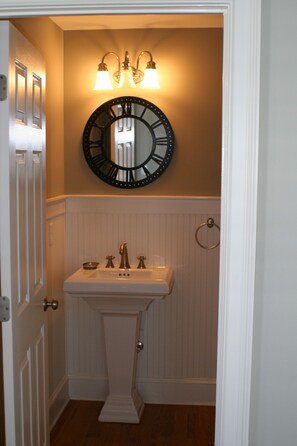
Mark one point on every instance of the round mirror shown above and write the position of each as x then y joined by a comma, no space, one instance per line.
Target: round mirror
128,142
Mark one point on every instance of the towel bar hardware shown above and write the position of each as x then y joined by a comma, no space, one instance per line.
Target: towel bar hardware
210,223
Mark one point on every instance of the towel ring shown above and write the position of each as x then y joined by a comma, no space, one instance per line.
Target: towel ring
210,224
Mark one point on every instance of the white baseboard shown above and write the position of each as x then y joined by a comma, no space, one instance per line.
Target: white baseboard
178,391
175,391
58,401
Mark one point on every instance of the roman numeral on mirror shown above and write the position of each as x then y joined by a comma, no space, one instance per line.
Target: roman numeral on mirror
126,109
110,113
158,159
146,171
143,112
113,172
162,141
99,160
156,124
98,126
93,144
129,176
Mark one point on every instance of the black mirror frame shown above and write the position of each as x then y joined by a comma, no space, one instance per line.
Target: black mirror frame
96,154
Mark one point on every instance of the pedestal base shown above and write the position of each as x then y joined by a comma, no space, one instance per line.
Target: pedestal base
122,408
121,331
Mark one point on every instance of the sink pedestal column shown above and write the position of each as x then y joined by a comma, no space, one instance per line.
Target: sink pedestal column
123,403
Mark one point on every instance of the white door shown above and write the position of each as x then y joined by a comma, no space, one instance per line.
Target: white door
22,223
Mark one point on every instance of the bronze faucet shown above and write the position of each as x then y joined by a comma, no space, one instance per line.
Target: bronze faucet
124,256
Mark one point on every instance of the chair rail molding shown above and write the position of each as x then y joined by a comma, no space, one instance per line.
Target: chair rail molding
239,183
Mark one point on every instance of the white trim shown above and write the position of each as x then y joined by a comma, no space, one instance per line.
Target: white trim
55,208
178,391
239,184
153,391
238,223
75,7
142,205
58,401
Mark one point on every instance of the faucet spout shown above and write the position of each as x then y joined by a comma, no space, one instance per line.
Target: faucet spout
124,256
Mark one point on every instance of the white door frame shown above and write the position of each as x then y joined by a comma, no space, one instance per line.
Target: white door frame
239,182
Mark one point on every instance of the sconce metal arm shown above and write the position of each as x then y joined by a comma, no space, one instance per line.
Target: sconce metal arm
103,66
150,63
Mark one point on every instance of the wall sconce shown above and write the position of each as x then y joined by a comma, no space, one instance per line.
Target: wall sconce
127,75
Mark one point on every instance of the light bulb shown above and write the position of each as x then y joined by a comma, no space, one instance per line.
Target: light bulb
150,79
126,79
103,81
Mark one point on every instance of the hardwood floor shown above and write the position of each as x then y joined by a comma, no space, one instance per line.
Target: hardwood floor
161,425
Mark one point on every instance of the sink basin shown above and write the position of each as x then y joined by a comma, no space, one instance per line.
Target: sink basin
156,282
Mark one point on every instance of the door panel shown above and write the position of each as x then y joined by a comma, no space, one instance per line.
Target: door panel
22,222
2,422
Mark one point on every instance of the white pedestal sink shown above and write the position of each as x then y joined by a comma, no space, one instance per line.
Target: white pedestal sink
121,296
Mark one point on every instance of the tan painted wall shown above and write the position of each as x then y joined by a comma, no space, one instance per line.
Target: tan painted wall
191,99
189,62
48,38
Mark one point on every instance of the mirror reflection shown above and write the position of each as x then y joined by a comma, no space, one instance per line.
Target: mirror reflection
128,142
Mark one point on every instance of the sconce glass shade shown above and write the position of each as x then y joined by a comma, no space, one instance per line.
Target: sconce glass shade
103,81
126,78
150,79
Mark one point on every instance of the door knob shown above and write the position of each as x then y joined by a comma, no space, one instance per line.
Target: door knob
54,304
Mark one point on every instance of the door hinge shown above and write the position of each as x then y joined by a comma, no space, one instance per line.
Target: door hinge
4,309
3,87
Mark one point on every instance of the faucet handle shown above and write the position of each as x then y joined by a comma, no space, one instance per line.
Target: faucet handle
141,264
109,263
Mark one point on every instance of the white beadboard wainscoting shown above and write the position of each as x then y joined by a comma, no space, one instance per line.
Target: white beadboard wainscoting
178,362
57,366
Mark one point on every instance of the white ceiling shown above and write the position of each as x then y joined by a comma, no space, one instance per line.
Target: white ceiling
71,23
